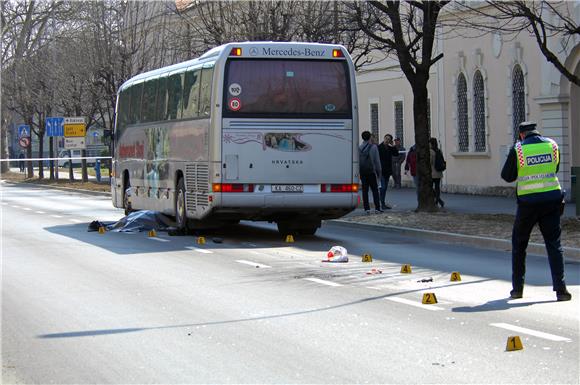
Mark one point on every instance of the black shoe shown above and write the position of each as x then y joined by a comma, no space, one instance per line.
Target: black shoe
515,294
441,203
563,295
379,211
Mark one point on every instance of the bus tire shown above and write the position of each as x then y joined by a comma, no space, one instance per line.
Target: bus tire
126,201
180,207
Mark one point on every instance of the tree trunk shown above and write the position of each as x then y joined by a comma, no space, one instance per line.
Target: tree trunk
426,196
84,166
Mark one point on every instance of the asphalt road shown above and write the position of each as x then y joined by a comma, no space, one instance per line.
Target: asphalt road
81,307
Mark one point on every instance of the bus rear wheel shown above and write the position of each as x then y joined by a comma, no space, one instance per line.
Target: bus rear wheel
180,209
127,197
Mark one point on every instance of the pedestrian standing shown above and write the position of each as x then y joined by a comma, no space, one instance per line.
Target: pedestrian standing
386,154
533,162
21,162
398,159
436,170
369,171
411,166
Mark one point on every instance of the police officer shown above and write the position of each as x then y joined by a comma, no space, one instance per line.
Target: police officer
533,162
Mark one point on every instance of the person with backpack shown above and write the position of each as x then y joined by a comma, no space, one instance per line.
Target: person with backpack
369,171
438,165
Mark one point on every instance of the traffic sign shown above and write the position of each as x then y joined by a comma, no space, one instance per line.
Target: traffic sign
75,130
24,142
55,126
24,131
74,143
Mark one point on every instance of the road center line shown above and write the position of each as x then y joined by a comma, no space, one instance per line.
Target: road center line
322,281
200,250
75,220
27,208
255,264
56,216
547,336
158,239
414,303
40,212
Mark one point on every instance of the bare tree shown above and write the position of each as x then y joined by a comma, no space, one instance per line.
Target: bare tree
408,30
544,20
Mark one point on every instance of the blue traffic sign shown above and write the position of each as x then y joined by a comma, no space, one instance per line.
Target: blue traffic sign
24,131
55,126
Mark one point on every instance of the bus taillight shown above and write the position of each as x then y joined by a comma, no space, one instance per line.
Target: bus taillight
232,187
339,188
236,52
337,53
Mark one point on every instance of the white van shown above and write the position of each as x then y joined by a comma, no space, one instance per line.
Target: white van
64,162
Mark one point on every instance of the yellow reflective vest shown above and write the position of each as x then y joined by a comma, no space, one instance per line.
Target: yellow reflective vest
537,165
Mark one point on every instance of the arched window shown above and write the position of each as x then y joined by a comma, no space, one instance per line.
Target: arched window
479,112
462,119
518,98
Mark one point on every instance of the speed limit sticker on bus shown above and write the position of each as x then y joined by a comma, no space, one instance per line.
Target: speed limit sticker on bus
235,104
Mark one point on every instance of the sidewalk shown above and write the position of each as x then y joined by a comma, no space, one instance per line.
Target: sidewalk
405,199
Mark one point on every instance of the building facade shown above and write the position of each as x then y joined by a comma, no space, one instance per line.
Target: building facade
478,94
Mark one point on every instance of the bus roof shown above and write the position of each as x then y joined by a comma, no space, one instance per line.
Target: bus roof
253,49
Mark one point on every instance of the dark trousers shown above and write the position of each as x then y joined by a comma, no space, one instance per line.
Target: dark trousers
437,189
384,185
547,215
370,180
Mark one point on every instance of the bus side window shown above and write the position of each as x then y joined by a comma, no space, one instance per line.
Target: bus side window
174,102
148,105
161,99
123,111
191,93
136,92
205,93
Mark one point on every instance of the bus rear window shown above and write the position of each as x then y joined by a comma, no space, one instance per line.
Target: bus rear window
287,88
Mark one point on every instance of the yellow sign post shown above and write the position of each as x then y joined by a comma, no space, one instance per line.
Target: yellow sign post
75,130
367,258
455,276
429,299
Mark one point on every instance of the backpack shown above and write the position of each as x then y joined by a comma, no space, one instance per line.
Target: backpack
440,164
365,162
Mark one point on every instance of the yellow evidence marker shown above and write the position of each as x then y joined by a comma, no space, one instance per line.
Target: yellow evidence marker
152,233
406,269
429,299
101,230
289,238
514,343
455,276
367,258
201,240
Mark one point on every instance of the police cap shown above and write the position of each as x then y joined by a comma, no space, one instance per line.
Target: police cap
527,126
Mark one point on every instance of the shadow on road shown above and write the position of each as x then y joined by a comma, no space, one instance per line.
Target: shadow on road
498,304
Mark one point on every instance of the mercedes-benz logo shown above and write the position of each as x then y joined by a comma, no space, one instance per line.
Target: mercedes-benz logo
253,51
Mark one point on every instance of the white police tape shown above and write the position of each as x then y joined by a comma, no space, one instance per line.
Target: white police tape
64,158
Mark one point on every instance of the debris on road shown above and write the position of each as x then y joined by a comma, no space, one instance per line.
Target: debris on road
336,254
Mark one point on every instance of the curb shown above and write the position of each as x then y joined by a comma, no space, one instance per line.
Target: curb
62,188
570,253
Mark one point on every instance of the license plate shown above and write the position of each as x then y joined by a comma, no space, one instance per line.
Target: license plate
288,188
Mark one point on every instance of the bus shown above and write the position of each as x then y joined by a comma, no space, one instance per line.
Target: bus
260,131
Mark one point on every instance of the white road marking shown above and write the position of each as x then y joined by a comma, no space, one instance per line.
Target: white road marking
56,216
322,281
75,220
27,208
373,288
16,207
158,239
40,212
547,336
255,264
414,303
200,250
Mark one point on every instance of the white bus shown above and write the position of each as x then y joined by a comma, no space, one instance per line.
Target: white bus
257,131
